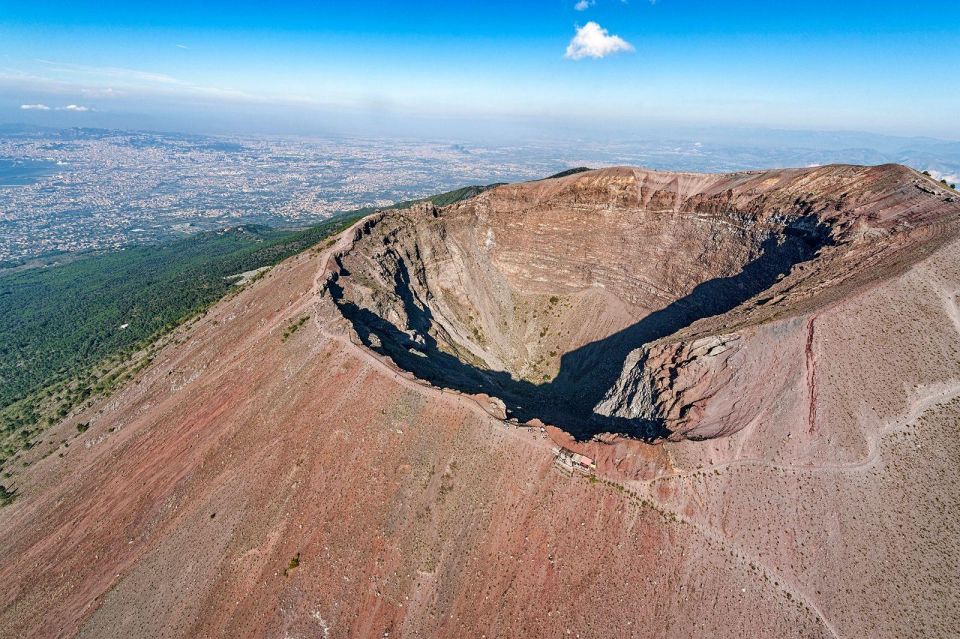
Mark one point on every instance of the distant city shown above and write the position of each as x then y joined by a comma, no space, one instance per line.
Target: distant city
88,189
75,190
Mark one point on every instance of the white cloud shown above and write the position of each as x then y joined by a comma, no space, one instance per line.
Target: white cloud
76,108
181,46
593,41
583,5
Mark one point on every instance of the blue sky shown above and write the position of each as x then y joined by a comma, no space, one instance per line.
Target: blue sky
315,67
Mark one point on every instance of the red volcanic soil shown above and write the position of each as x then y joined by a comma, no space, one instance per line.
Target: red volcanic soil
251,485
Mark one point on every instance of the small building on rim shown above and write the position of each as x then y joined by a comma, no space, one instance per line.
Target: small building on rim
574,461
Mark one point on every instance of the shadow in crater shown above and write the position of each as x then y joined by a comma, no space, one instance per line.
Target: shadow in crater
587,373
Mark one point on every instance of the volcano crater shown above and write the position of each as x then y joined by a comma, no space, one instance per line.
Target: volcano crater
550,295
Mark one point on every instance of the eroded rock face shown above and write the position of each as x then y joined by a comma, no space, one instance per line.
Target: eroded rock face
672,384
650,304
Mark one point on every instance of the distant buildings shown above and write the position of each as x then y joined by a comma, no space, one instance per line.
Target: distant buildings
107,189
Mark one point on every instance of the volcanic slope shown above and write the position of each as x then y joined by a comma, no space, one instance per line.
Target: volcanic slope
764,365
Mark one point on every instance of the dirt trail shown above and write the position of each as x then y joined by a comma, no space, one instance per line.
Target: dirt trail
935,395
794,589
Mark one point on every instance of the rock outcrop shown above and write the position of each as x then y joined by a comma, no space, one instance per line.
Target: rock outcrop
674,384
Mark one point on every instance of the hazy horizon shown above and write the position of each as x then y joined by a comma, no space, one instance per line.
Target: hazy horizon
563,70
